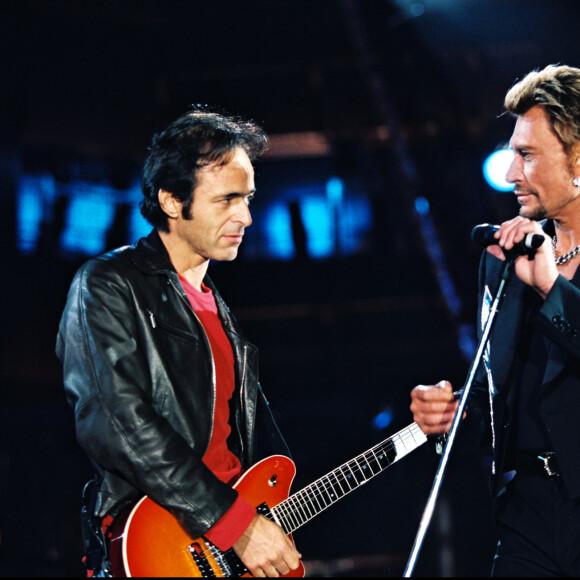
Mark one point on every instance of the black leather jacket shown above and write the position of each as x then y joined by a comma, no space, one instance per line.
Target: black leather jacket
139,373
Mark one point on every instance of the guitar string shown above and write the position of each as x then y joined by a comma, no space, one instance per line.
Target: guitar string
312,492
404,435
359,467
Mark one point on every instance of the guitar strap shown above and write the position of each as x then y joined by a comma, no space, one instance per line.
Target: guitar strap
275,436
95,548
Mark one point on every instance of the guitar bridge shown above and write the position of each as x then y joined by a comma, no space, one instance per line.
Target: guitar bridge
211,562
201,561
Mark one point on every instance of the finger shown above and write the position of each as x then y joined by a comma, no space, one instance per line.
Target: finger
432,393
497,252
292,561
514,231
421,406
439,421
443,384
505,233
282,567
271,571
435,417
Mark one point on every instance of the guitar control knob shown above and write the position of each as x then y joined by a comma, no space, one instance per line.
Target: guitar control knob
272,481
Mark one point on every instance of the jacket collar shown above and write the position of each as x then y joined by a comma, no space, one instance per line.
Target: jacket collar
151,256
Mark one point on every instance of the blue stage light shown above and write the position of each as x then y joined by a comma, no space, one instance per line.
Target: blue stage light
496,167
422,206
383,419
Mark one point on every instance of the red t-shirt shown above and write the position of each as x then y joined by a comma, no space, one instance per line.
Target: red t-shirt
222,462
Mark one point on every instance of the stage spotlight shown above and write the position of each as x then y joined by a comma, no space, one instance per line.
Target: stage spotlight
383,419
496,167
422,206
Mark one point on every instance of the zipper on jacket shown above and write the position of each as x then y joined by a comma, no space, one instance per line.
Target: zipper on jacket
213,373
152,318
242,389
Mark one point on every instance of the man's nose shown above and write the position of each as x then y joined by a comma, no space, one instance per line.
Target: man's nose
514,172
243,214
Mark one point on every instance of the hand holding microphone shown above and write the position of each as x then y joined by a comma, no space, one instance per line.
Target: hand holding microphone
484,236
539,270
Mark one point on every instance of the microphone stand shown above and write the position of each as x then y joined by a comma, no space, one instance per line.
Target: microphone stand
430,506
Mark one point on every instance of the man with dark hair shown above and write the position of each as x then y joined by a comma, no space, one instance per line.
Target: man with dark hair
531,372
163,383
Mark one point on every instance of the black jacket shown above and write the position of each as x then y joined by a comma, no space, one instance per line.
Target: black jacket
139,374
558,318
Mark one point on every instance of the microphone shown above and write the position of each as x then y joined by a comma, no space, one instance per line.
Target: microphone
483,235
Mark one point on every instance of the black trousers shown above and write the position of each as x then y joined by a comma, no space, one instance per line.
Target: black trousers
538,529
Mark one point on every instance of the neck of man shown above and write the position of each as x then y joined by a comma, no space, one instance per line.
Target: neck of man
567,234
191,266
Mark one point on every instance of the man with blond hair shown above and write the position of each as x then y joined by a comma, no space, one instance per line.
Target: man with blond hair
531,373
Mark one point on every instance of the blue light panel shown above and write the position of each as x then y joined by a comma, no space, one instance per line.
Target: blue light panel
336,221
90,214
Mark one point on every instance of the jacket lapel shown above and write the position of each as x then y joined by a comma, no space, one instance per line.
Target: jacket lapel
507,329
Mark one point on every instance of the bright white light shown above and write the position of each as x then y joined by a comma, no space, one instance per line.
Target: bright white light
496,167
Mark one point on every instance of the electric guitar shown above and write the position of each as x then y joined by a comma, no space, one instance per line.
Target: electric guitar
147,541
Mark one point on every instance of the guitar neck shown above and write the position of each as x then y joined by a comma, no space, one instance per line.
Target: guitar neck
303,505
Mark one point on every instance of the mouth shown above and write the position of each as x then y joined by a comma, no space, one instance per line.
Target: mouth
234,238
523,195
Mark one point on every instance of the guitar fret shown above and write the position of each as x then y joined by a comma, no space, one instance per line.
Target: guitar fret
289,524
370,457
338,475
313,499
377,460
360,470
280,517
306,503
296,510
296,519
354,476
383,457
300,508
368,465
323,490
318,508
336,485
357,472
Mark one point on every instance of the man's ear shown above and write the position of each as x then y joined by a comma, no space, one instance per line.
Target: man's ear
169,204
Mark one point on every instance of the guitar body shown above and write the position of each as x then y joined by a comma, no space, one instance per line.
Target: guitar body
149,542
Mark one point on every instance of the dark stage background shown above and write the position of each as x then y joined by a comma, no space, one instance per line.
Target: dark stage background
391,100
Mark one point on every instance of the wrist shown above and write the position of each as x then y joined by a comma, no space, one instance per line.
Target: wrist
545,289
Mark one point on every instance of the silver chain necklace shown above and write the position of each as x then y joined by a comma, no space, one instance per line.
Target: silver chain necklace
566,257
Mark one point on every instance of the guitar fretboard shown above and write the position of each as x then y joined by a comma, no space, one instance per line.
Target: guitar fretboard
303,505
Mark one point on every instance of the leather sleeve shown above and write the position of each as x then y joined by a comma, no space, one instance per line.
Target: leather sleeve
107,376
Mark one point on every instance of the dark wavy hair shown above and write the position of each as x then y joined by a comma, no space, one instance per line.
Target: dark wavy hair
198,138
